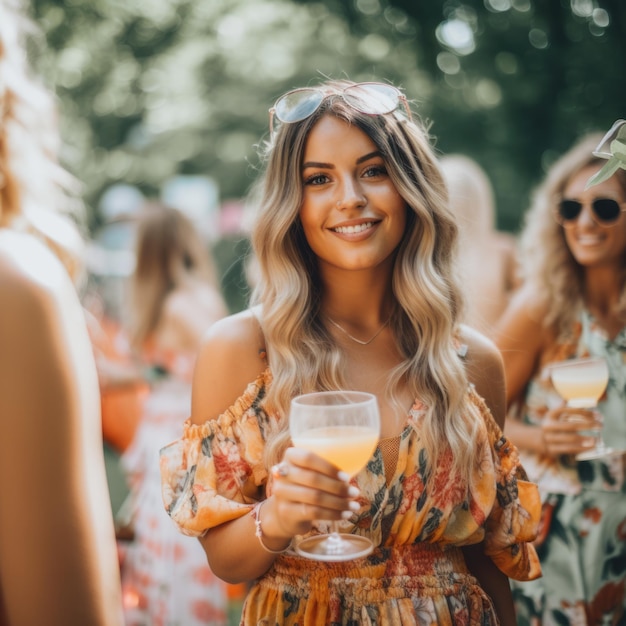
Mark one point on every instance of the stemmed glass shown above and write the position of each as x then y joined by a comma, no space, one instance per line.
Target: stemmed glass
581,382
342,427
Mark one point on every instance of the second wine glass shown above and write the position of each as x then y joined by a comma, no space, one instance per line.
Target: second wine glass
581,382
342,427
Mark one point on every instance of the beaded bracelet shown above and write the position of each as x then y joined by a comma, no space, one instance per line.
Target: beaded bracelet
256,514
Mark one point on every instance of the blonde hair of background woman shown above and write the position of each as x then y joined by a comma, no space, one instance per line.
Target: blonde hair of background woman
424,284
469,187
29,141
488,265
546,259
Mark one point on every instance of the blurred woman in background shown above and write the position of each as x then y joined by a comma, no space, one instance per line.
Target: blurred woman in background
175,298
573,304
488,263
58,563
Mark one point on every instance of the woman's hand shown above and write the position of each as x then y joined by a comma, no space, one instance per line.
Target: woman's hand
305,488
569,431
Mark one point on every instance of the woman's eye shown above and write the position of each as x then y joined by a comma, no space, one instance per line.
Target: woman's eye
375,170
316,179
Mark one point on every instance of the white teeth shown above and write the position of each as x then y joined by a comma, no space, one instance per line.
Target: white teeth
353,229
589,241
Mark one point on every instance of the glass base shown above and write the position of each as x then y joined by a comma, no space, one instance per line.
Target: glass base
337,547
597,453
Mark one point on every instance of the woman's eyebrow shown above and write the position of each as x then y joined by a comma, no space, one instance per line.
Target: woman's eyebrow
330,166
327,166
369,156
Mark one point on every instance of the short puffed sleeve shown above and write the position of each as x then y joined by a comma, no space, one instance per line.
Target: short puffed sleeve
513,522
212,474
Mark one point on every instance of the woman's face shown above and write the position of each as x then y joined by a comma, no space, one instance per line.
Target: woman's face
591,243
352,215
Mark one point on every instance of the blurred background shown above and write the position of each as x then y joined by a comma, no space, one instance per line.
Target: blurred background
169,98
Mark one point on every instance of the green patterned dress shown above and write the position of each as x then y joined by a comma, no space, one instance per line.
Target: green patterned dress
583,557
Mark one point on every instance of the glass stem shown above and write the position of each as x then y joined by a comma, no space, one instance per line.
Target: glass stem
334,542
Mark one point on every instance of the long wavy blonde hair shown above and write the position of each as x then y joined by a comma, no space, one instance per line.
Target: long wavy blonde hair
30,174
546,260
302,353
168,250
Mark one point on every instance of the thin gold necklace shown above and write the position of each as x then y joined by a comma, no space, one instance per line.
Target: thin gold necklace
347,334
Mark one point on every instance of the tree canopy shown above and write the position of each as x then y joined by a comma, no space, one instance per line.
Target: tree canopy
154,88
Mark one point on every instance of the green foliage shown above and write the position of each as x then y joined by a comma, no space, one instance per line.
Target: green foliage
514,83
154,88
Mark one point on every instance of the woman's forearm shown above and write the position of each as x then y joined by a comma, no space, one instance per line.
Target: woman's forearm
236,554
525,436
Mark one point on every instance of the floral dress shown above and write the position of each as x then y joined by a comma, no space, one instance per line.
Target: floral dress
417,573
166,580
583,556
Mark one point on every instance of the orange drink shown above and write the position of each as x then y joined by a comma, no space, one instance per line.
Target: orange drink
580,381
343,428
347,447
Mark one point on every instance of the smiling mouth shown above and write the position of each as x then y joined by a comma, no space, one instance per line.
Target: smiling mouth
348,230
589,240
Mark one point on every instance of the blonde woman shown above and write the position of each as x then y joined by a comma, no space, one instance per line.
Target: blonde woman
58,563
487,257
573,304
175,299
356,290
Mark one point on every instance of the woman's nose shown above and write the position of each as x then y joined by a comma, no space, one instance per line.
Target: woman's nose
586,216
351,195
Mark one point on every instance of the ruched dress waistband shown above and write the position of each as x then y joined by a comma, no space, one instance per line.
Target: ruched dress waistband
401,586
422,568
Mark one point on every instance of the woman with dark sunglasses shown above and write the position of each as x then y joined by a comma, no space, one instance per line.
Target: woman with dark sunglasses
357,290
573,304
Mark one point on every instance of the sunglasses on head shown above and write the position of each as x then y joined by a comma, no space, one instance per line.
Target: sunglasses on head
605,211
368,98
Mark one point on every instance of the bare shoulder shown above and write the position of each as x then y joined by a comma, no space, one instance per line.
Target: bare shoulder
485,371
186,316
481,351
45,345
203,299
522,321
229,360
526,299
33,282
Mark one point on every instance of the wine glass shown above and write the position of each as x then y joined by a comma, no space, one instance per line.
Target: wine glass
581,382
342,427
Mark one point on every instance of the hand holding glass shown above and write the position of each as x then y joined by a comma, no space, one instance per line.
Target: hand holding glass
581,382
343,428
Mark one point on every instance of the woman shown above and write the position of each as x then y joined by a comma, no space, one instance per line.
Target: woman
175,298
573,304
58,563
488,257
356,291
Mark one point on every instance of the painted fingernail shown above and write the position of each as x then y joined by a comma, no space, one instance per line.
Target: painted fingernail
347,514
343,476
353,491
354,506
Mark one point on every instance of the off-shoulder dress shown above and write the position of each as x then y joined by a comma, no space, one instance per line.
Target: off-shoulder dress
418,521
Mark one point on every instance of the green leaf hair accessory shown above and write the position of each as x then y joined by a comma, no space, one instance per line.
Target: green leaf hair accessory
613,148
